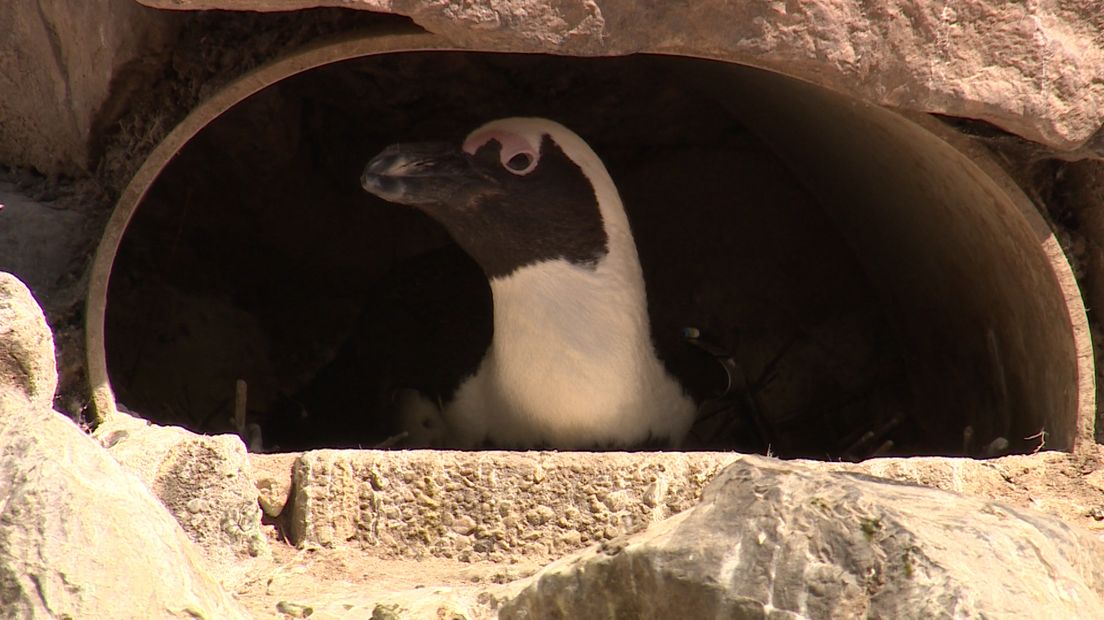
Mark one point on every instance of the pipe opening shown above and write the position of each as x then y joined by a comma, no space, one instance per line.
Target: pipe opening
876,291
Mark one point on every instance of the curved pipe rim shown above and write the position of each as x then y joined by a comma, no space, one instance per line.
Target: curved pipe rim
358,45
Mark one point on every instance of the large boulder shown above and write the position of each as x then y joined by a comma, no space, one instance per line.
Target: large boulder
1032,68
27,363
43,243
786,540
66,70
206,482
80,537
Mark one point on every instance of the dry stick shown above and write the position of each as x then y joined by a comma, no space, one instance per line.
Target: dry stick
1041,436
883,449
870,436
391,441
967,440
240,392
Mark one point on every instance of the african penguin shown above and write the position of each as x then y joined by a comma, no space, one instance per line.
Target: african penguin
571,363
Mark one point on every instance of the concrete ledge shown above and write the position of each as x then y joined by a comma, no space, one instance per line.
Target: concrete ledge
509,507
489,505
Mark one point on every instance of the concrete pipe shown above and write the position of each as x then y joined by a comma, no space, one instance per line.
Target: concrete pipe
879,284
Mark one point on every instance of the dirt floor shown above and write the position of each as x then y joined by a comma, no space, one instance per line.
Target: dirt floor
350,582
340,583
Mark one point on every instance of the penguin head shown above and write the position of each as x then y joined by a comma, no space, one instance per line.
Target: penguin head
516,192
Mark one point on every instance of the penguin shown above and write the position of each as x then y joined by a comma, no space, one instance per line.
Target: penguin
571,362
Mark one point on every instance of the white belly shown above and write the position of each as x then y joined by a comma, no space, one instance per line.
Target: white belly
571,365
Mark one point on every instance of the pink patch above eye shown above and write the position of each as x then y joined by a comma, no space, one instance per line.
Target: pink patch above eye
512,145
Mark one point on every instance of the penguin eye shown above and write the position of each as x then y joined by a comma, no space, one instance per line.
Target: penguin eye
520,163
517,153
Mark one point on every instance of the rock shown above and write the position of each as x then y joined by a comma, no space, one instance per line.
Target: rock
785,540
73,67
545,504
379,501
206,482
488,505
80,537
40,244
273,474
961,475
26,345
1033,69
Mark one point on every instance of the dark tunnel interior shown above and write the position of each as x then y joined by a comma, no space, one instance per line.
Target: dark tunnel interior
256,256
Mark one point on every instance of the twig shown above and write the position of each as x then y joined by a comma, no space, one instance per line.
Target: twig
870,436
240,394
1041,436
391,441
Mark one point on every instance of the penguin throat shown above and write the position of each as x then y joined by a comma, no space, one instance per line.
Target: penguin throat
562,323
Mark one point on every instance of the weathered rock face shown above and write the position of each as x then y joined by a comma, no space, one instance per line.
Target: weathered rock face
783,540
273,473
205,481
488,505
27,362
1036,69
64,70
79,536
41,243
82,538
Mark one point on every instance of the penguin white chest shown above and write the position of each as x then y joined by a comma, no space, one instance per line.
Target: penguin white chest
568,365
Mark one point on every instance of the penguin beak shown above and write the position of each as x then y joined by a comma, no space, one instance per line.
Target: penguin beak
423,174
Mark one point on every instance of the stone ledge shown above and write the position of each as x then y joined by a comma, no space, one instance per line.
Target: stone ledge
387,546
488,505
27,363
509,506
793,540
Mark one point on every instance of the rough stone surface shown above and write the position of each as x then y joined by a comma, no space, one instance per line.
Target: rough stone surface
273,475
27,360
41,244
784,540
332,489
71,65
1036,69
80,537
206,482
488,505
960,475
352,580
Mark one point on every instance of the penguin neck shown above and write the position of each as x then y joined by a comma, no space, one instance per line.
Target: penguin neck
556,315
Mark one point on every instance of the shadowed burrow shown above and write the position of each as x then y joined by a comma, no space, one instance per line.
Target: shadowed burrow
825,278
